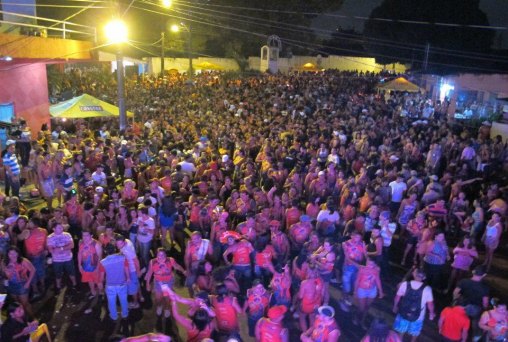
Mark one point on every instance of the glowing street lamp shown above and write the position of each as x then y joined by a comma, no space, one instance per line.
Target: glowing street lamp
166,3
177,28
117,33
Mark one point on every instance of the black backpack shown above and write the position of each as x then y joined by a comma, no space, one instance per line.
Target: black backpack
410,304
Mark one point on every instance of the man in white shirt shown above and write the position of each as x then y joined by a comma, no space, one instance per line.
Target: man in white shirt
408,320
126,247
145,235
187,165
60,245
99,177
398,189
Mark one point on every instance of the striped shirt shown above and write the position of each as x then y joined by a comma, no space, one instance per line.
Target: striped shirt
11,160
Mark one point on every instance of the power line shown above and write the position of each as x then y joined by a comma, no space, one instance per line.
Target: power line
369,40
298,43
343,16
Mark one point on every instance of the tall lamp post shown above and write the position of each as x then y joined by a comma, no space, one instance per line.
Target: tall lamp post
166,4
186,28
116,33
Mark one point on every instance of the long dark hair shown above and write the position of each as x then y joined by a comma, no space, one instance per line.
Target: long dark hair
222,291
201,319
378,331
19,260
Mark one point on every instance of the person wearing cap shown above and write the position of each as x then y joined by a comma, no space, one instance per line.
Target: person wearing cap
324,328
319,186
12,169
271,328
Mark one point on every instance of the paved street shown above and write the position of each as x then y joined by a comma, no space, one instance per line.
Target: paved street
67,320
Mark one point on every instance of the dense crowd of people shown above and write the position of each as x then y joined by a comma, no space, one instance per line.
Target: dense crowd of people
257,194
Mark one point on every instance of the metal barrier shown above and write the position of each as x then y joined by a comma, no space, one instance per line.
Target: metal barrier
62,29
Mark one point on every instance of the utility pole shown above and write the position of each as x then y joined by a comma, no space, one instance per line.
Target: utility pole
426,58
162,53
189,47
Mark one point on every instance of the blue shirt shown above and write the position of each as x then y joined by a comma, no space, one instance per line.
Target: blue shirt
11,161
114,267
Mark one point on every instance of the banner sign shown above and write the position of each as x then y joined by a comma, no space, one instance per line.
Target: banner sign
91,108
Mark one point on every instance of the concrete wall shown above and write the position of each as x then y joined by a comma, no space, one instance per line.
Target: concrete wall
27,86
285,64
182,64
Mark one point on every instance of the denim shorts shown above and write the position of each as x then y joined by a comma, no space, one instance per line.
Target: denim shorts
402,326
17,288
367,293
133,284
349,273
39,263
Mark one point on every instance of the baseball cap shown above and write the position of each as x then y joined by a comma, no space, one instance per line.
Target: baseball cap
99,189
10,142
326,310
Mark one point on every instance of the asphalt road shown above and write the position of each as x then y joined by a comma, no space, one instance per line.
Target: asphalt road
66,318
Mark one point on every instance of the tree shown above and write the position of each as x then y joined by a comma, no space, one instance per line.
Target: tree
241,31
393,40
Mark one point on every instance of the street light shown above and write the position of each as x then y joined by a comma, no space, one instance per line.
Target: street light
117,33
176,28
165,4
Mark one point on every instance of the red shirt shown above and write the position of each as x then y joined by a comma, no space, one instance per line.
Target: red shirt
454,321
36,242
264,258
241,255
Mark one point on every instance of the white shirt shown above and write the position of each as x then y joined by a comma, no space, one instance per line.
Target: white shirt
387,233
397,190
129,252
468,153
146,229
187,167
426,295
99,178
324,215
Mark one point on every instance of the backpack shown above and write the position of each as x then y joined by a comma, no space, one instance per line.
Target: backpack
410,303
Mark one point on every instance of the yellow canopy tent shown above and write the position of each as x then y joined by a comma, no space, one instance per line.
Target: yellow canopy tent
84,106
308,67
208,66
399,84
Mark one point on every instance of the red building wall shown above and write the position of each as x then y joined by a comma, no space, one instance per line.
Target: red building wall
27,86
